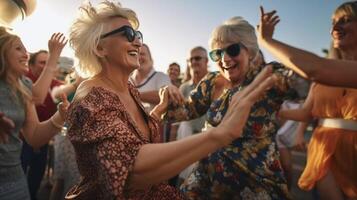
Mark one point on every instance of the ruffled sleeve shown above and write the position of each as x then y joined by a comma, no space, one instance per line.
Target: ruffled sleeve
103,139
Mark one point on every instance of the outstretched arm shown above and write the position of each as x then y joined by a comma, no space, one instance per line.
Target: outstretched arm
39,133
308,65
43,83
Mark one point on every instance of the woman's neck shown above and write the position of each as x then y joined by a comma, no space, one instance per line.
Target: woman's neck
349,54
114,78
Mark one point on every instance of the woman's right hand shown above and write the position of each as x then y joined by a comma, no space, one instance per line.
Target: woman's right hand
6,125
236,117
268,21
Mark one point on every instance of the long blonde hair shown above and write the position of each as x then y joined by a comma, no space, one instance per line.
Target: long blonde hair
6,40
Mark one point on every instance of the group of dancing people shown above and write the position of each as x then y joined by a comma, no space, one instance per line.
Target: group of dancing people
117,142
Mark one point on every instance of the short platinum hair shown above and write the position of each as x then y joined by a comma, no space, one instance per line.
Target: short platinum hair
234,30
86,30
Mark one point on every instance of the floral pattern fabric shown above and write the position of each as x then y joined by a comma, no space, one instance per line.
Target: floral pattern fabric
248,168
106,141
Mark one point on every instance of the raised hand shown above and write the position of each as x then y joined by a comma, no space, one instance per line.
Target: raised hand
55,46
236,117
268,21
6,125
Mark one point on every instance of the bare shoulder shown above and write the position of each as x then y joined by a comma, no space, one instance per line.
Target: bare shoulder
85,87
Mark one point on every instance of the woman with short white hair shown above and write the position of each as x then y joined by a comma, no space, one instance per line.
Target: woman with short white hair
249,167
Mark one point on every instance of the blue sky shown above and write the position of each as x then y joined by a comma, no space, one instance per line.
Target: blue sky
172,27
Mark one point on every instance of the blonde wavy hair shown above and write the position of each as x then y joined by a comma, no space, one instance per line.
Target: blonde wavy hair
348,8
85,33
7,39
233,30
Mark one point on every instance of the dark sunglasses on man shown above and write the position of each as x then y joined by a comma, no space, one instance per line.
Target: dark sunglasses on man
232,50
128,31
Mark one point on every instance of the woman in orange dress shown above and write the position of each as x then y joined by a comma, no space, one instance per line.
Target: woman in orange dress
332,152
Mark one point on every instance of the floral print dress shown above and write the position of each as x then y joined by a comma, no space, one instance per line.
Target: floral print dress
249,167
106,141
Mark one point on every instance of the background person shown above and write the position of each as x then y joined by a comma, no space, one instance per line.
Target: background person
198,67
332,72
332,153
174,72
147,80
17,108
34,161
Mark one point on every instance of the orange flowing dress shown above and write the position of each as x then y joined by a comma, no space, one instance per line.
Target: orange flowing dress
332,148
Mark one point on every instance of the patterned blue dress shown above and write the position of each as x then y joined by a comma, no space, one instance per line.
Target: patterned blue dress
249,167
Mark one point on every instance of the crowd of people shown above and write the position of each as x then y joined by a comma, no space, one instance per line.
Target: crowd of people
123,130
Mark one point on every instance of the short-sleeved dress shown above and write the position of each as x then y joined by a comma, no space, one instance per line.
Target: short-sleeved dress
106,141
13,183
249,167
332,148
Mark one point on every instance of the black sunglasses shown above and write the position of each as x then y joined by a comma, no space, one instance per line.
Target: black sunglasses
129,33
232,50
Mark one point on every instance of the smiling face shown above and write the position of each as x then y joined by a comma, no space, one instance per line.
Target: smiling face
17,58
174,72
116,48
344,32
234,68
344,27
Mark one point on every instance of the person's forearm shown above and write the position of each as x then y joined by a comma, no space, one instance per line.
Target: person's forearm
301,115
39,133
151,97
310,66
169,158
302,62
63,89
41,86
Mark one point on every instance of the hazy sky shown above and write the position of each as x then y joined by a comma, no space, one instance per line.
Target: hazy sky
172,27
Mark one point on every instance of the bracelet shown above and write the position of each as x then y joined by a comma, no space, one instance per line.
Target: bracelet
56,124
